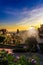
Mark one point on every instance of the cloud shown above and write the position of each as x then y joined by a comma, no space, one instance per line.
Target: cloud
26,16
34,16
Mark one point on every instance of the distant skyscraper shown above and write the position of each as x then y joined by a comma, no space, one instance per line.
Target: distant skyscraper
17,31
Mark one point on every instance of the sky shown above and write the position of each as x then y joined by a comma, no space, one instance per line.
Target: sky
20,14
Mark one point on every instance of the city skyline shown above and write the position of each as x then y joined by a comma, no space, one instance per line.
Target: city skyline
20,14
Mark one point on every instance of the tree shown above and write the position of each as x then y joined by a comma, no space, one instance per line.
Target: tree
2,38
40,30
4,31
32,43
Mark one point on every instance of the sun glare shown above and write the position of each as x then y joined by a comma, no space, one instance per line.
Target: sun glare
32,31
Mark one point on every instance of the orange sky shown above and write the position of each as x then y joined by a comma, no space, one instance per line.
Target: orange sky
20,27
